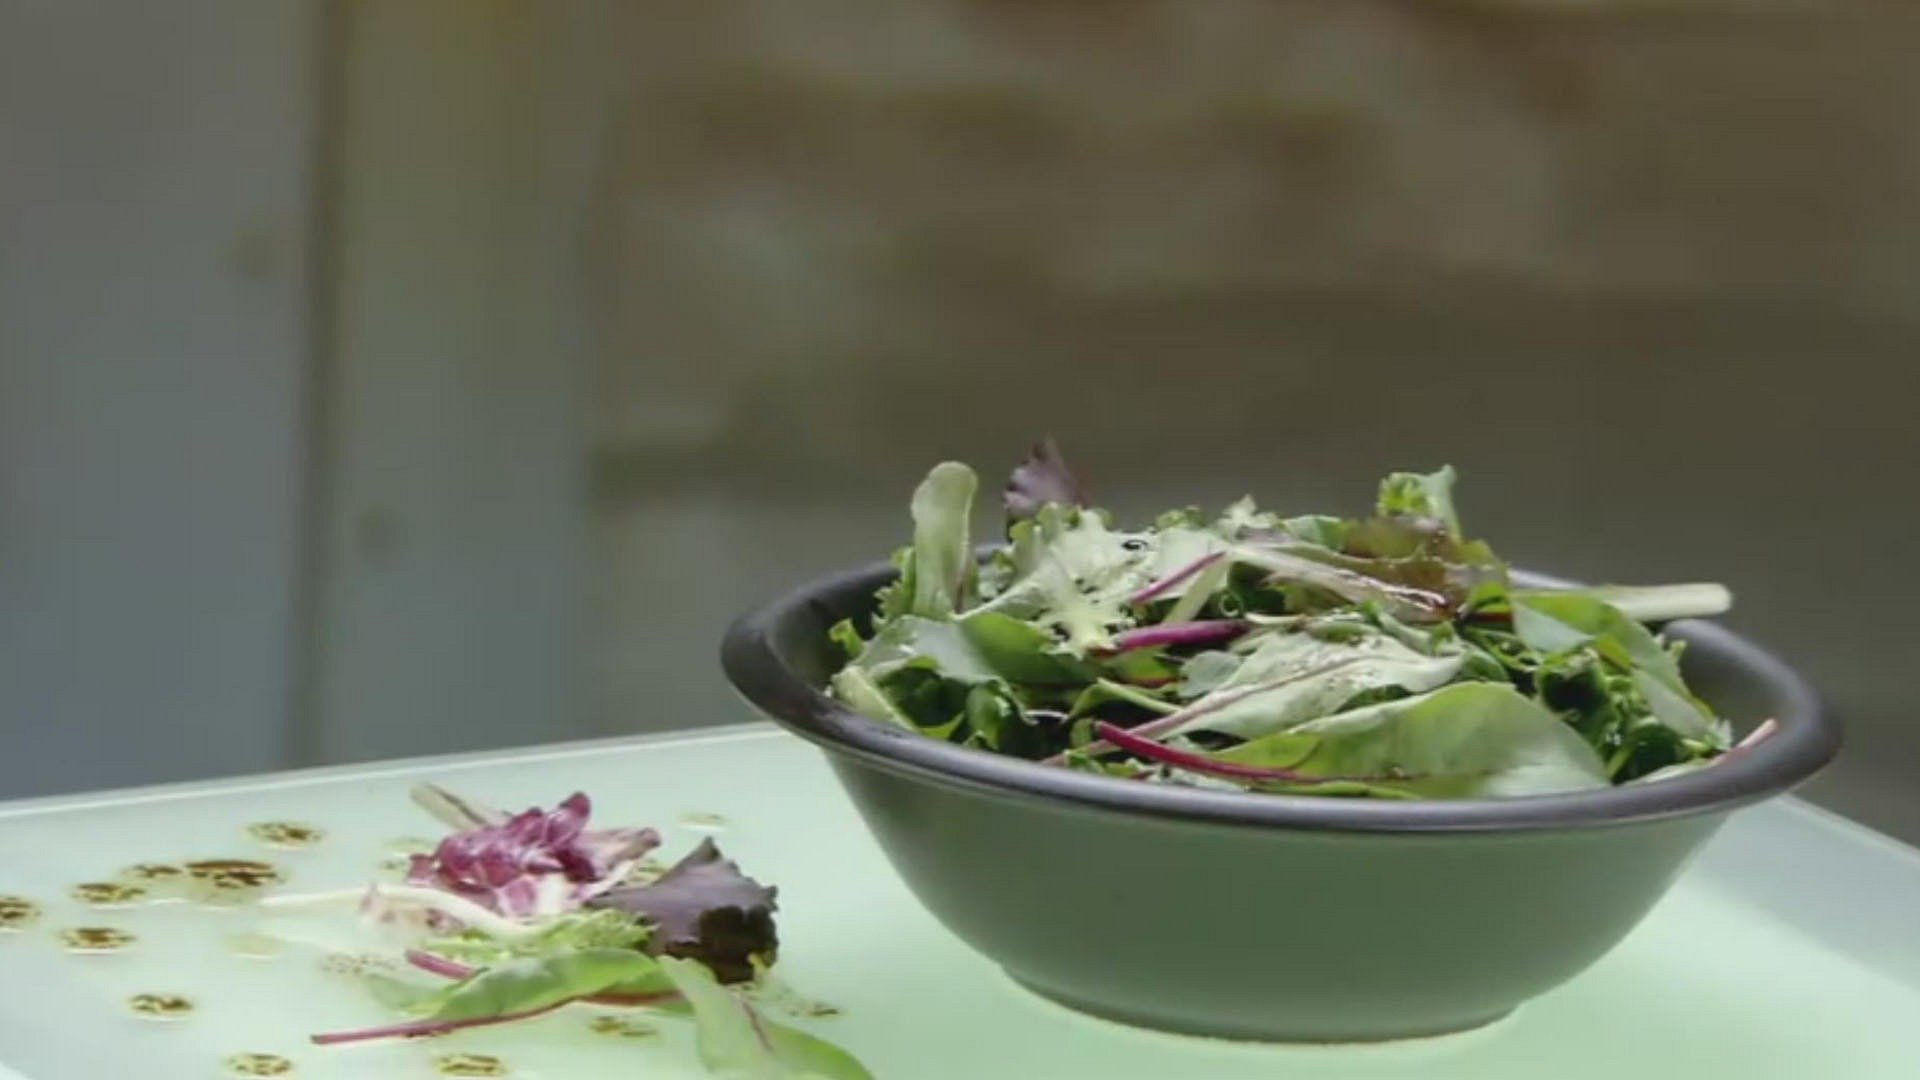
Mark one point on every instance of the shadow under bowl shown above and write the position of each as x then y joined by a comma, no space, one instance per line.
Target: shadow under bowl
1271,917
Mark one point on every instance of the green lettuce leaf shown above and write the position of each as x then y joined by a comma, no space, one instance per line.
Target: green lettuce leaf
737,1042
1467,740
1419,587
935,570
1070,575
857,687
529,985
983,646
1420,495
1290,678
1555,621
569,933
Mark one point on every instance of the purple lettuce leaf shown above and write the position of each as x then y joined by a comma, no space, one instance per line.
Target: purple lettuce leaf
704,909
1043,478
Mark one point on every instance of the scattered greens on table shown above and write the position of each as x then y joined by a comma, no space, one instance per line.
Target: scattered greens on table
520,915
1386,656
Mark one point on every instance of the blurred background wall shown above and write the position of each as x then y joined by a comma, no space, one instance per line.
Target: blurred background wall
613,318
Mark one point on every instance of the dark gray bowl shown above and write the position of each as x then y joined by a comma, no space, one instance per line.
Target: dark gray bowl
1270,916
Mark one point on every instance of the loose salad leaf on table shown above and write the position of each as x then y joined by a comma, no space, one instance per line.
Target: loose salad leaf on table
1386,656
514,916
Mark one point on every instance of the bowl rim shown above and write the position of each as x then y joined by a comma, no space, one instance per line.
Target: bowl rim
1807,738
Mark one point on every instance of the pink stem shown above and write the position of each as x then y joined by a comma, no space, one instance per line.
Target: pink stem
1200,763
633,999
421,1029
1758,735
1198,632
1212,703
440,965
1160,587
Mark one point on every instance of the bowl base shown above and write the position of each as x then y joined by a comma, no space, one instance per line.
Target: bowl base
1248,1035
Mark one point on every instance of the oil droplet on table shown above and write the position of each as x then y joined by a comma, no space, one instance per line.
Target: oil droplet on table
161,880
151,873
96,939
621,1027
254,946
469,1065
241,873
17,913
291,835
231,881
703,821
350,965
160,1006
104,894
258,1065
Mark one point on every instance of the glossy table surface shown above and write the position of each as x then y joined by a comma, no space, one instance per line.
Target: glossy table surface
1790,949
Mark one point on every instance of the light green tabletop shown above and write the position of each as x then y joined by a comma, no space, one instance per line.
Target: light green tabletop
1791,949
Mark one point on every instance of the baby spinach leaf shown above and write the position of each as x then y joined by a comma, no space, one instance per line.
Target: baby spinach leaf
536,983
1289,678
737,1042
1470,739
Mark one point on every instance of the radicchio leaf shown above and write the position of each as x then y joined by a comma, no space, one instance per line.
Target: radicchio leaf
1041,479
704,909
536,863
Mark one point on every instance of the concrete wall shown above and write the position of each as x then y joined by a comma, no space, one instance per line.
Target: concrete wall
154,201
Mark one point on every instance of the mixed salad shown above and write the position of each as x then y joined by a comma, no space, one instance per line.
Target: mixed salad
514,916
1387,656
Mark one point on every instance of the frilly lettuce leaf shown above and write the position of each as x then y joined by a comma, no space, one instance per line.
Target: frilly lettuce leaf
1069,574
603,929
1420,495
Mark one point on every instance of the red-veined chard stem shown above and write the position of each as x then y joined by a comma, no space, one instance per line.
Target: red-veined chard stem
421,1029
440,965
1200,763
1160,587
1153,729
